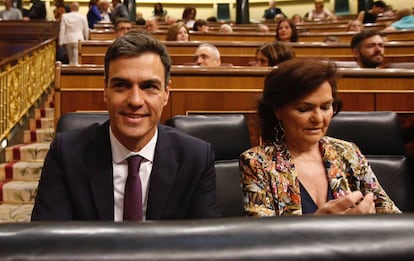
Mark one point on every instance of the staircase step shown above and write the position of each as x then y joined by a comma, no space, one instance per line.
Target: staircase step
42,123
44,113
18,191
21,170
39,135
15,212
27,152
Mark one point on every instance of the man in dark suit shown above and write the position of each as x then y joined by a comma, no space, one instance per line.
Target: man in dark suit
85,171
36,12
272,11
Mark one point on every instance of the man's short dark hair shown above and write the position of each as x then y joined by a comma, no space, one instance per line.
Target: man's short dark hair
380,4
199,23
365,34
121,20
135,44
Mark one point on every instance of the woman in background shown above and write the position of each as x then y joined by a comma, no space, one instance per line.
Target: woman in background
286,31
299,170
355,26
271,54
189,16
94,14
178,32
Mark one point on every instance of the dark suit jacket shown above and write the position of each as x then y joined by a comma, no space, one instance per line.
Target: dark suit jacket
77,177
269,14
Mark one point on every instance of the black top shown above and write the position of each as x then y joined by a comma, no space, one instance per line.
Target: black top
308,205
369,18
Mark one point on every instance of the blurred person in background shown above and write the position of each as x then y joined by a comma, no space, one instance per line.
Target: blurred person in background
10,13
271,54
189,16
225,28
94,14
319,13
200,25
207,55
370,16
355,26
73,28
286,31
122,27
272,11
178,32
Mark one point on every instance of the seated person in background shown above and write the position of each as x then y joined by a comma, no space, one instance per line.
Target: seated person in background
178,32
139,19
159,12
105,11
207,55
370,16
211,19
299,170
355,26
278,18
271,54
368,48
200,25
286,31
189,16
10,13
404,20
122,26
151,25
262,28
296,18
86,173
225,28
272,11
170,20
320,13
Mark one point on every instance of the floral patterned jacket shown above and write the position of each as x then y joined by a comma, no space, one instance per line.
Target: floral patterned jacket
271,187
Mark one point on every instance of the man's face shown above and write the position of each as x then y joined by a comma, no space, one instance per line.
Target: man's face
135,95
371,52
122,28
204,56
151,26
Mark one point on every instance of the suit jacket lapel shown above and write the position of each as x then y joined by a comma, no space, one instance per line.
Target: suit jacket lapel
162,175
99,170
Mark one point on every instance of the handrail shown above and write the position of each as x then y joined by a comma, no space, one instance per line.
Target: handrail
24,77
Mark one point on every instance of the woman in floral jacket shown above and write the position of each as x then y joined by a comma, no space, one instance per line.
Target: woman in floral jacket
299,170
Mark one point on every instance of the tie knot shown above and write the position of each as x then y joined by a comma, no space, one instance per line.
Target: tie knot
133,164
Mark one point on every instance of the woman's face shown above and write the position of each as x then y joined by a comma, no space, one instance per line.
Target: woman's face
284,31
182,34
306,120
355,26
261,59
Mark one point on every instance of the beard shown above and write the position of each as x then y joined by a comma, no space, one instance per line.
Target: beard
372,61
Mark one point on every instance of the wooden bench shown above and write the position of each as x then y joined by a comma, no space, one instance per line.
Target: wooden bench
344,37
241,53
236,90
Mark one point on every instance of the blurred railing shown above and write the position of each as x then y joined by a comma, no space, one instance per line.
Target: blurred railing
24,77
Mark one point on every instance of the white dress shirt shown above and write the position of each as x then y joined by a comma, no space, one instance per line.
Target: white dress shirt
120,170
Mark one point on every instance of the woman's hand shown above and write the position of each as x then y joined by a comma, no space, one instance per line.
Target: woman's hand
352,203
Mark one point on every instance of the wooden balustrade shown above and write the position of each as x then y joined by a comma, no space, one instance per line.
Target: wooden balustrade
343,37
241,53
236,90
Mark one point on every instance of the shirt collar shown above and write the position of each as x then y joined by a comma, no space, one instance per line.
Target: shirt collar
120,152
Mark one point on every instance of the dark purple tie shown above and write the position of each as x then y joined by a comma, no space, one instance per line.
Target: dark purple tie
133,190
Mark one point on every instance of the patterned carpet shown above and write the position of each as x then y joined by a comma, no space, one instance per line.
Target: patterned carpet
20,173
